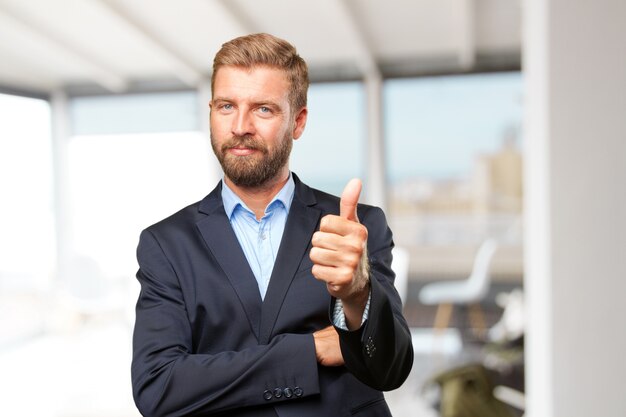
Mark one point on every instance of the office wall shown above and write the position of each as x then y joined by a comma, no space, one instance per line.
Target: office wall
575,69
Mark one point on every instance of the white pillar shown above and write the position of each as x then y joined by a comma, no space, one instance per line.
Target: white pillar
60,136
575,175
375,169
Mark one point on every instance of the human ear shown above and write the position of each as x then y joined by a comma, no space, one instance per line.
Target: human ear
299,122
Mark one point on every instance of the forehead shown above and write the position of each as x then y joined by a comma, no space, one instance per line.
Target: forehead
257,83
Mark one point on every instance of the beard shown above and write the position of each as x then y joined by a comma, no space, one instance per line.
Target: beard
254,170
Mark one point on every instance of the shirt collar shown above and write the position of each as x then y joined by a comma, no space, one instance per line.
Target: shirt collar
232,200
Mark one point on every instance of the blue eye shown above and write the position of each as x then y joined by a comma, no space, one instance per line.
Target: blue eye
227,106
264,109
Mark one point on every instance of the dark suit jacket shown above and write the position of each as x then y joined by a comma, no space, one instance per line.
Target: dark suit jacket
206,344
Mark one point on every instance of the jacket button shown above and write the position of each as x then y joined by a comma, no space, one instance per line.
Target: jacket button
297,391
267,394
288,393
370,347
278,392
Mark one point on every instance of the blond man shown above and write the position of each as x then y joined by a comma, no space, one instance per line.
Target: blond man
267,297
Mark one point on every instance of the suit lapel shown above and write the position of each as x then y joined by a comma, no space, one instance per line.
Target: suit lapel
301,224
222,241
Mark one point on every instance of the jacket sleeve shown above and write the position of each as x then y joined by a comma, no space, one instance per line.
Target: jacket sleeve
170,380
380,352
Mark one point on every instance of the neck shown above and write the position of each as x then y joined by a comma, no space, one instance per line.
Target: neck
257,198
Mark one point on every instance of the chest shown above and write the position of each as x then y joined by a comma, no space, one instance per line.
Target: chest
226,312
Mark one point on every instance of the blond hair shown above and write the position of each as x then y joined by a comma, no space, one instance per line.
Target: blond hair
264,49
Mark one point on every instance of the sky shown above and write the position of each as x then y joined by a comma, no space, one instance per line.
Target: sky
433,127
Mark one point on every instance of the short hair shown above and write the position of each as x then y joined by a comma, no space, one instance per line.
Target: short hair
264,49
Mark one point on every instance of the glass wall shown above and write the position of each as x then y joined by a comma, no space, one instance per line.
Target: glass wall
454,179
27,245
332,149
455,169
131,161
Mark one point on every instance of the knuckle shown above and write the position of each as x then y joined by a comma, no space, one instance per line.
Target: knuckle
315,240
356,247
345,275
315,270
361,232
325,222
353,262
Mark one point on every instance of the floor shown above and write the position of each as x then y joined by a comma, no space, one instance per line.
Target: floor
82,368
433,354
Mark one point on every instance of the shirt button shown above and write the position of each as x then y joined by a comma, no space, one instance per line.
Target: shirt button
267,394
263,236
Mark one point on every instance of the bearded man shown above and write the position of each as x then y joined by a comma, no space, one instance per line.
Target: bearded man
267,297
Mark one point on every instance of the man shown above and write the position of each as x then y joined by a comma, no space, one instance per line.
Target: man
266,298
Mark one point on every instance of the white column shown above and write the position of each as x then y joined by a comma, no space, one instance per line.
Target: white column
375,170
575,175
60,135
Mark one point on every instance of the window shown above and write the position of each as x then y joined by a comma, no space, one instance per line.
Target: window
454,166
332,149
134,160
27,237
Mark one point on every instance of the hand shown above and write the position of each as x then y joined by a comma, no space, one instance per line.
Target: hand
339,255
327,349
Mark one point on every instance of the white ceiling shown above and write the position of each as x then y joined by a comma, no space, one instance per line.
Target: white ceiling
118,45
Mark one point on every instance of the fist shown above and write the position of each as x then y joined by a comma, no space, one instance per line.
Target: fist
339,249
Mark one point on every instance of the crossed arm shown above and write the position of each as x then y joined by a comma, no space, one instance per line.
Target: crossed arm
169,378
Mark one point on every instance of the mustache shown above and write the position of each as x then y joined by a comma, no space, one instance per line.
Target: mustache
246,141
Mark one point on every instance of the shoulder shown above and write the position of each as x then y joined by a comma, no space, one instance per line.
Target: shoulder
176,230
180,219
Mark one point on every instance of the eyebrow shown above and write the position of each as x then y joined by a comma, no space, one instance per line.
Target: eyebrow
257,103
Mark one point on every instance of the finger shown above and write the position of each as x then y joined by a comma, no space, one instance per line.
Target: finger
350,199
325,240
333,275
351,243
341,226
327,257
325,332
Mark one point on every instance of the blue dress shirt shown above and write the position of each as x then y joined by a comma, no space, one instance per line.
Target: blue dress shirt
260,239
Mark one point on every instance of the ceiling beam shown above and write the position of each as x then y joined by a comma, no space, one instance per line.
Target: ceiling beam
467,33
183,69
244,22
366,62
98,71
365,56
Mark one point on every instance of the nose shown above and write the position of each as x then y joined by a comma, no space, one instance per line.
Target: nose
242,124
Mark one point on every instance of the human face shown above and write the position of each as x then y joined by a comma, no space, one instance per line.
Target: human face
252,125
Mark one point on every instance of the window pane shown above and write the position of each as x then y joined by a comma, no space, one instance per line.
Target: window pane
120,184
455,169
332,149
135,113
26,224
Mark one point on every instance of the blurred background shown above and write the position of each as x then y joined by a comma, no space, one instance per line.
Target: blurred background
490,131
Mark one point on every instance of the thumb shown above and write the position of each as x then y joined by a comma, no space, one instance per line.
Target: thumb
350,199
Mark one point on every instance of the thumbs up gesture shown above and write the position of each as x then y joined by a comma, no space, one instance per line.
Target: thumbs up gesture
339,255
